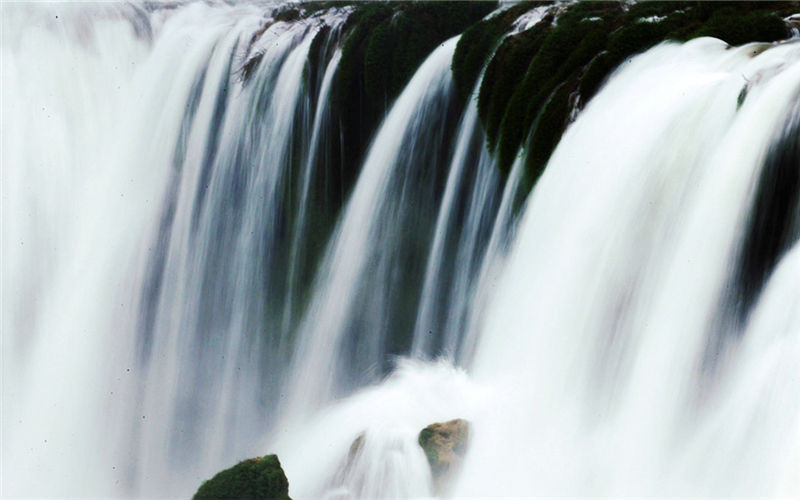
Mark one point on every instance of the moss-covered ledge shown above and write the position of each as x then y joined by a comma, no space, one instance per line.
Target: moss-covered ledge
536,79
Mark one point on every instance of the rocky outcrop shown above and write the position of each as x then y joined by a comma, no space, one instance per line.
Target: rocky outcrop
261,478
445,444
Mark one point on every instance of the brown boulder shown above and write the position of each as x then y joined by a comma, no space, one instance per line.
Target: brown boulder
445,445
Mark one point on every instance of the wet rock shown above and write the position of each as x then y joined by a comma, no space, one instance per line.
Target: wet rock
261,478
346,469
445,445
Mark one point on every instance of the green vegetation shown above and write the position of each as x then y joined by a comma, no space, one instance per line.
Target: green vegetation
288,15
477,43
254,478
566,48
425,436
534,80
736,28
384,44
399,44
546,132
504,73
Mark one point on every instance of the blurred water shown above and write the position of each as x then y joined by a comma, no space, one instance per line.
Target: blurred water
166,310
602,342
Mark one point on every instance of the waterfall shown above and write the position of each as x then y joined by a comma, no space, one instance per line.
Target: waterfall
168,204
461,234
615,287
350,315
205,205
190,279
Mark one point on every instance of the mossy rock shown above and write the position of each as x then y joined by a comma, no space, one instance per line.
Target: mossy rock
571,44
287,15
536,79
478,42
737,28
445,445
256,478
546,132
383,44
505,72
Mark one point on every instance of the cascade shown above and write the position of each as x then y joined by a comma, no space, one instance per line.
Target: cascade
613,293
195,270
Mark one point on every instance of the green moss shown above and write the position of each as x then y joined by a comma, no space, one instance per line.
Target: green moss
425,436
596,71
399,44
734,22
254,478
385,43
287,15
635,38
477,43
546,132
566,47
472,50
736,28
583,11
624,43
356,115
550,119
575,56
504,72
531,80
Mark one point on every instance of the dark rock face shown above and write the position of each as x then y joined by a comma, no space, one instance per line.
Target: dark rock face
254,478
445,444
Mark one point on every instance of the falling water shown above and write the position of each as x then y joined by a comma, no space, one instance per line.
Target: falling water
596,343
178,294
154,257
350,315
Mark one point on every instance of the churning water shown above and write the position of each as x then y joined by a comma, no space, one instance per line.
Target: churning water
176,295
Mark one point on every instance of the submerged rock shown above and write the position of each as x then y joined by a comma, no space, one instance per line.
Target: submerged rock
353,454
261,477
445,444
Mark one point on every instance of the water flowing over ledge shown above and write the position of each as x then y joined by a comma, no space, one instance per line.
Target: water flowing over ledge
215,248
